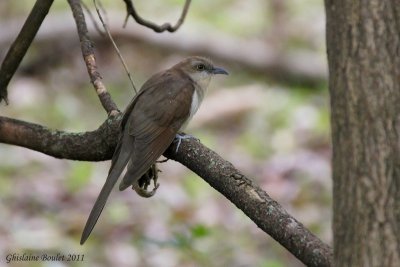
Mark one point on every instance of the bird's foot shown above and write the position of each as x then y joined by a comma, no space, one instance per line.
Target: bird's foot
143,192
182,136
143,183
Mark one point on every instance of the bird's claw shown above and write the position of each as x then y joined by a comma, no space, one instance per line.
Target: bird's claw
141,185
182,136
141,191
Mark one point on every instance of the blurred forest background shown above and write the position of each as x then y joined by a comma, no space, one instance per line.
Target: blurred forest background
269,117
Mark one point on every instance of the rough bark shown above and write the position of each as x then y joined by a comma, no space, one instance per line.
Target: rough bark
363,40
94,145
265,212
219,173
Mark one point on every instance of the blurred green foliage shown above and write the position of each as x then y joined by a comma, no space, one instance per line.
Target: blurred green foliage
79,175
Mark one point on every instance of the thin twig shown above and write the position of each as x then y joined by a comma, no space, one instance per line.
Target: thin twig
90,59
114,44
95,24
157,28
21,44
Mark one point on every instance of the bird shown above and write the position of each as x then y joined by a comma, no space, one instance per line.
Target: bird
153,119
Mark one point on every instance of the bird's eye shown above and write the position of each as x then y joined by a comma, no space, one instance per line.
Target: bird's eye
200,67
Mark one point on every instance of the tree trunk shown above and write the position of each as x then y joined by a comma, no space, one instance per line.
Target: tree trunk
363,40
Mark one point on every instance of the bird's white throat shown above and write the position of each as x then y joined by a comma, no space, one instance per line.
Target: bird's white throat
201,82
197,98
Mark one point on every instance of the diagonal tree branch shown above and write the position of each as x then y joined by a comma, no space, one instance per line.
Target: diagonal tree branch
21,44
90,59
220,174
265,212
130,9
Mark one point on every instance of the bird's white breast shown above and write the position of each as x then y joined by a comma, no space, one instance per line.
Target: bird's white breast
195,104
196,101
201,81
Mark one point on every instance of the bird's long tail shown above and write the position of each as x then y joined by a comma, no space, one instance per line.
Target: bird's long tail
120,159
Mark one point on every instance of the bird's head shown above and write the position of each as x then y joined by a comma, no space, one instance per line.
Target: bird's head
200,70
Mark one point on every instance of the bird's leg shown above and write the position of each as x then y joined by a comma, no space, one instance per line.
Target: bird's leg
182,136
140,186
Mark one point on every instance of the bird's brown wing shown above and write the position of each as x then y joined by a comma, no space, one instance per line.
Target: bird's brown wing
136,128
119,160
154,125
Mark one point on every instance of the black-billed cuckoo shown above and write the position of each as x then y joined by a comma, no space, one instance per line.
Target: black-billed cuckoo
164,105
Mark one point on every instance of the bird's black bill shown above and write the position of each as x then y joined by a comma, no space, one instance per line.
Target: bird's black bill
217,70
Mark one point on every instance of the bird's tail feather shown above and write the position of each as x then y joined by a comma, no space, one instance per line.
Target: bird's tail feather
120,159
